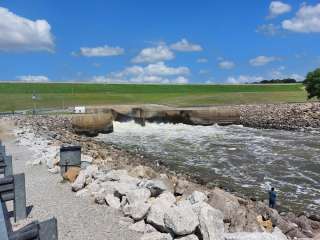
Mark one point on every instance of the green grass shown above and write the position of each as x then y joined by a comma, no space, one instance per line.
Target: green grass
17,96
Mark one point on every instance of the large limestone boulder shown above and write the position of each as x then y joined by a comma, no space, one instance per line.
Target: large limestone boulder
149,229
122,189
138,195
156,236
225,202
304,224
188,237
279,234
159,207
156,216
112,201
121,176
238,222
80,182
276,235
251,221
286,226
156,186
317,237
92,124
115,175
138,227
143,172
239,215
137,211
99,197
210,221
91,171
181,187
197,197
166,197
181,219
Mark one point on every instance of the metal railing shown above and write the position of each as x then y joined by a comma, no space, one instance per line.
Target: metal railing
12,188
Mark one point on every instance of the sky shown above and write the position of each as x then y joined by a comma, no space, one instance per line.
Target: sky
164,41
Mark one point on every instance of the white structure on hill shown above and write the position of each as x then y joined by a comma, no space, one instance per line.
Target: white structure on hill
79,109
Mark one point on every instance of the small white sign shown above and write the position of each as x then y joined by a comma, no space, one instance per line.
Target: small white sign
80,109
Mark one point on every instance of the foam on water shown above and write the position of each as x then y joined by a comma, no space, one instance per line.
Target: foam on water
247,160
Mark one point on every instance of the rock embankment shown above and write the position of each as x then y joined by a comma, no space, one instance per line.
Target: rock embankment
154,202
281,116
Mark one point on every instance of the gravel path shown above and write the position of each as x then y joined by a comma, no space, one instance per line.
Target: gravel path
78,218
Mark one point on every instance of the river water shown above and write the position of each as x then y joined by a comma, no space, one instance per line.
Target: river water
245,160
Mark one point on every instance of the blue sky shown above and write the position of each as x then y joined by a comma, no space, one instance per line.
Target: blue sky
167,41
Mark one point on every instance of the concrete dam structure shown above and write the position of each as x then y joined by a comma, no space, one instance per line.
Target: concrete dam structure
204,117
92,124
100,119
221,115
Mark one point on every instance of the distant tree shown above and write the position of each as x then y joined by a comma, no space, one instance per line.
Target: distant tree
312,84
280,81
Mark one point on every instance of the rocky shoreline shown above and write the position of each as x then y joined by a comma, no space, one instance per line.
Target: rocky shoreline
148,193
294,116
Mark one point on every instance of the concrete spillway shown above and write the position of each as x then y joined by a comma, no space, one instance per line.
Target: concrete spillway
220,115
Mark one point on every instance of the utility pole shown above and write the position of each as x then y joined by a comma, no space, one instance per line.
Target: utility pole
34,98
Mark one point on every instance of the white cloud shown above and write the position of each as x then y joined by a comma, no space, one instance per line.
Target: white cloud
307,20
154,54
180,80
21,34
202,60
209,82
184,46
225,64
106,79
142,79
262,60
277,8
269,29
104,51
33,78
279,74
297,77
152,73
161,69
244,79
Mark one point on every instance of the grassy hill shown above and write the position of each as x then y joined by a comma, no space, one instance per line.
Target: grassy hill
18,96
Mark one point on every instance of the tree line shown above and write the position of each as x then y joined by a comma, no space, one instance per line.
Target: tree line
311,83
274,81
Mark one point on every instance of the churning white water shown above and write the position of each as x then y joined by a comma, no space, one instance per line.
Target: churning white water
246,160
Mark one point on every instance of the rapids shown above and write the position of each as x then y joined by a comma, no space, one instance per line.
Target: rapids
245,160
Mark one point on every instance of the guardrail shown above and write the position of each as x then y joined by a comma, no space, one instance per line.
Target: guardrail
5,162
12,188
